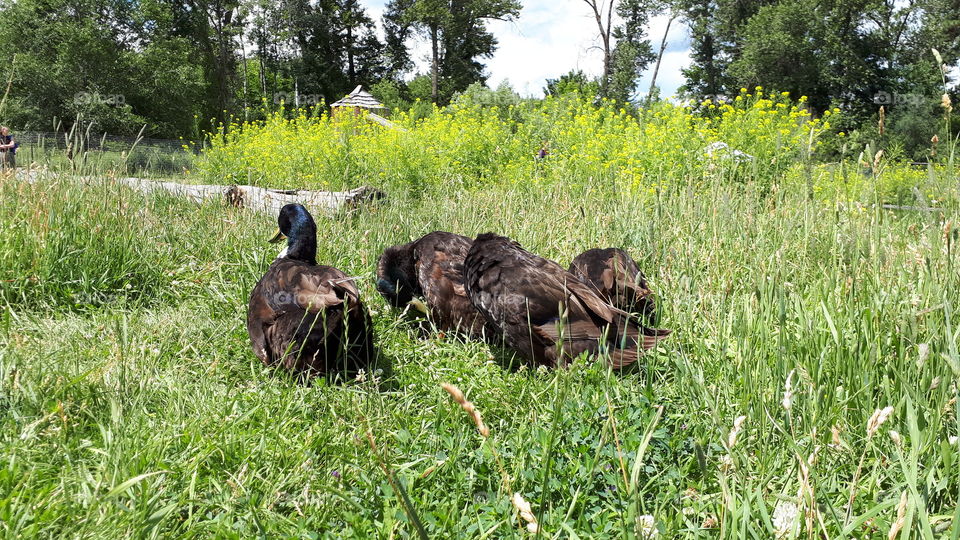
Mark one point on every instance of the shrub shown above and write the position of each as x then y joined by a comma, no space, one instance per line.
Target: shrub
468,145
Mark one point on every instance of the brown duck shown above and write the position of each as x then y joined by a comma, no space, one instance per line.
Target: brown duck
618,279
431,268
307,317
544,312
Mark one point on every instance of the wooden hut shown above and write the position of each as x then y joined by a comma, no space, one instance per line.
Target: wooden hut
357,101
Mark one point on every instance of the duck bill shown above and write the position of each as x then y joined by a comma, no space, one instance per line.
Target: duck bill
279,237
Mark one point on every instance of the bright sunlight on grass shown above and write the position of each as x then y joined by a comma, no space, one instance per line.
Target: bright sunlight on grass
133,406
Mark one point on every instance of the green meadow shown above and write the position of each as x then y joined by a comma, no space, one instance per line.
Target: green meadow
809,388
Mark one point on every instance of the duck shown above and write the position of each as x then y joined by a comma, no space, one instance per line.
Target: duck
614,274
306,317
543,312
431,268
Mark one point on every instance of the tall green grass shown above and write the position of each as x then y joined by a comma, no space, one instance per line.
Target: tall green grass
140,410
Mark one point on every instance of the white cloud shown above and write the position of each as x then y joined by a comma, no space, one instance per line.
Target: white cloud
552,37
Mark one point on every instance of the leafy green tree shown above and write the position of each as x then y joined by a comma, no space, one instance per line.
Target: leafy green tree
715,43
420,87
503,96
783,47
212,27
398,28
625,47
106,62
857,55
632,53
335,47
575,81
457,34
392,94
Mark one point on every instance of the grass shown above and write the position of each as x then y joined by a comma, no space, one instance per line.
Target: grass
131,405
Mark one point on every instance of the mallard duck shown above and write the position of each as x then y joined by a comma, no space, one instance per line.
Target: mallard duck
544,312
431,268
618,279
303,316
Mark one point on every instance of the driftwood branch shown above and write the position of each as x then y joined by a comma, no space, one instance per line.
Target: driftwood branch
258,199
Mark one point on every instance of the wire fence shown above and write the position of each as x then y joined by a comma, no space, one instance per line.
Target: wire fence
132,154
97,142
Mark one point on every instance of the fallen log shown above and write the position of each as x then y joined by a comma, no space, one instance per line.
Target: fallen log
911,208
258,199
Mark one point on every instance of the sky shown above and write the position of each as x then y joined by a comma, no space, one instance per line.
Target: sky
552,37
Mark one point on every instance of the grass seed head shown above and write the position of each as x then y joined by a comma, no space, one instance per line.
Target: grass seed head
901,518
735,432
526,512
895,437
936,54
877,419
946,103
467,406
788,392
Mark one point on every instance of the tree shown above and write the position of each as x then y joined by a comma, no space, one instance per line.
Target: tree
715,43
212,26
663,47
852,54
397,30
632,53
107,62
604,20
575,81
181,68
626,51
457,34
330,47
783,48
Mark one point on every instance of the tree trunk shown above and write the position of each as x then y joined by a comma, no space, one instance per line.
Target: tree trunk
712,82
246,100
605,38
607,53
351,71
263,78
434,68
656,67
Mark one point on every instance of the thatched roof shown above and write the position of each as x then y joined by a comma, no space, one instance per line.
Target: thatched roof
359,98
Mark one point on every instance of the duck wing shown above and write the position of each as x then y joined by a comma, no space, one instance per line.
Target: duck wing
440,256
298,310
538,305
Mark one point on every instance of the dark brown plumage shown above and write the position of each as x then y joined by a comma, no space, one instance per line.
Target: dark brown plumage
618,279
544,312
431,267
307,317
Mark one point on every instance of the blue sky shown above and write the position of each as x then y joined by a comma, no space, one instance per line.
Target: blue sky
550,38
